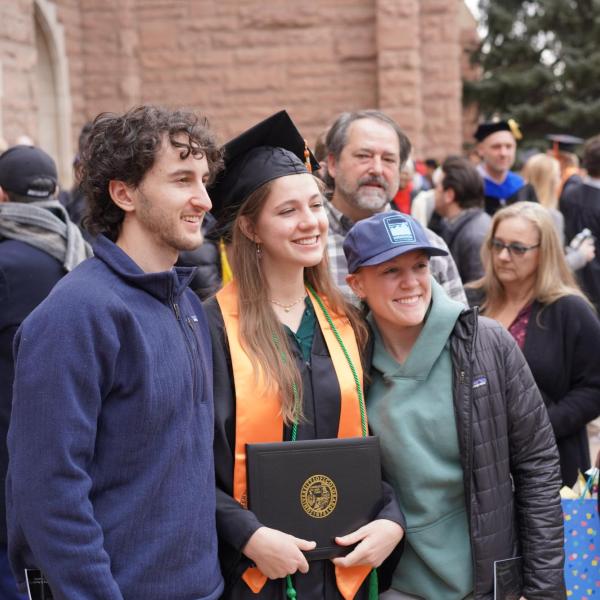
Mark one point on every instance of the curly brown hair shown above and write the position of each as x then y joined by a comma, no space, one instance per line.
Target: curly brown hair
124,148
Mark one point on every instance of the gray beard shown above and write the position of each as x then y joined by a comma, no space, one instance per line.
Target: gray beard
371,202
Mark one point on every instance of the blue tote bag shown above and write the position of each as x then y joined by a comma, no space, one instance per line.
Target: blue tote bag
582,548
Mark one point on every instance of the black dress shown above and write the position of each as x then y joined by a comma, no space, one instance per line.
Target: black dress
235,525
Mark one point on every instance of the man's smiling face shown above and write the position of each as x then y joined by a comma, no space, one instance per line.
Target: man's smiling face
170,202
368,169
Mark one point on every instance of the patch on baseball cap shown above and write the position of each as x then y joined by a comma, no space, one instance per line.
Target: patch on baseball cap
399,230
384,236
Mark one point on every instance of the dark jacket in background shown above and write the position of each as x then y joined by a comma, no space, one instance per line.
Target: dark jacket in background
206,281
562,348
509,459
580,205
27,274
321,408
75,204
464,236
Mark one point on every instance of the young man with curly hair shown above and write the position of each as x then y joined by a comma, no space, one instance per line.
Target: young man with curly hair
110,488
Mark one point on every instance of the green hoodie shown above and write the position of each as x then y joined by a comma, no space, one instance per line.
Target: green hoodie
410,408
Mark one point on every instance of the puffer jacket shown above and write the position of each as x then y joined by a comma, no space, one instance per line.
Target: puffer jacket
509,458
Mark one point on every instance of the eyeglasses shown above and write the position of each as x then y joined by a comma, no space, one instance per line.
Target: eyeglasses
514,248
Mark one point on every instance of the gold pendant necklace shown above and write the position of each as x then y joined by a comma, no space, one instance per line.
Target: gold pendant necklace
288,307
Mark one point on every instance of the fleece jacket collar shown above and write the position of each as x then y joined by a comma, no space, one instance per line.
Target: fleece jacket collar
166,286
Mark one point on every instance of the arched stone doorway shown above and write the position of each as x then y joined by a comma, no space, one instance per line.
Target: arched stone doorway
53,93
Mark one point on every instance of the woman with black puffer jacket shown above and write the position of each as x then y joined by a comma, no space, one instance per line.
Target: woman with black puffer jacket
466,440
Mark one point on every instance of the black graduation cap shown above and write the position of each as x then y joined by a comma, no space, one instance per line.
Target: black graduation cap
561,142
271,149
489,127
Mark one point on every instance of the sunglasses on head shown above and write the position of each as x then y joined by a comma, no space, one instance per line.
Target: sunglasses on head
514,248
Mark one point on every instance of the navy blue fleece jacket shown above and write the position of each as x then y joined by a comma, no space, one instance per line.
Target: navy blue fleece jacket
110,488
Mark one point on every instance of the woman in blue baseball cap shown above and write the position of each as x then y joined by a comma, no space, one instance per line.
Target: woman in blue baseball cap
466,441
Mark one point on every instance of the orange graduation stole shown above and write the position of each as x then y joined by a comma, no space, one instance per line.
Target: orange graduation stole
258,413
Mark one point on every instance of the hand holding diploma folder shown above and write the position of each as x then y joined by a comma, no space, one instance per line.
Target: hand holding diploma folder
316,489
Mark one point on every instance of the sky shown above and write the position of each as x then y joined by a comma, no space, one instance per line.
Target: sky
472,4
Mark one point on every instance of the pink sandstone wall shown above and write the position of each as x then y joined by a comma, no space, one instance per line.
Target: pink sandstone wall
237,61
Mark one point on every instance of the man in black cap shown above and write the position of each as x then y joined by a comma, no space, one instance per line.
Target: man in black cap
580,205
497,147
38,245
366,152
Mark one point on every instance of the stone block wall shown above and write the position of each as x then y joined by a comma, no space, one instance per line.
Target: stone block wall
237,61
469,42
18,56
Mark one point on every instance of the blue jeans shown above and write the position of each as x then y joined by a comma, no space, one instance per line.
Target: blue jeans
8,587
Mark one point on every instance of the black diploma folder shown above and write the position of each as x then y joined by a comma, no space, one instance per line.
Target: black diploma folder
508,579
316,489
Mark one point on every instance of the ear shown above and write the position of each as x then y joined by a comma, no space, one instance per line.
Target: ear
247,228
331,163
449,196
122,195
355,282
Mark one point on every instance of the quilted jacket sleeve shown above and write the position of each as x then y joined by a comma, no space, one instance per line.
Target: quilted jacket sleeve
536,473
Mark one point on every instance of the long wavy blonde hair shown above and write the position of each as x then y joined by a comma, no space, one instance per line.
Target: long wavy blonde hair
543,173
259,325
553,280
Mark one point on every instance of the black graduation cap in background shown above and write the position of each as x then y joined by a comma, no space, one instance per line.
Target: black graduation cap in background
561,142
485,129
271,149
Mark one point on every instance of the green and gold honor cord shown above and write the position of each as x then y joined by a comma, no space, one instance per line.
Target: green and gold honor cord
373,580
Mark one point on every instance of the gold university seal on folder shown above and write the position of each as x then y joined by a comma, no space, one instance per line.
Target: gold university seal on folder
318,496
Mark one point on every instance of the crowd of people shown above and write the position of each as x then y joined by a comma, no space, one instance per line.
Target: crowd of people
186,299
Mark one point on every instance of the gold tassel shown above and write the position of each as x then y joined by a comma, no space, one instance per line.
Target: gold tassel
226,273
514,129
307,157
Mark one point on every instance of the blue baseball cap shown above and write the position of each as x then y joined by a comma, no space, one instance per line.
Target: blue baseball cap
384,236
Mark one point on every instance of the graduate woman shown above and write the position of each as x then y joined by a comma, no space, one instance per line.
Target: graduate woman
281,371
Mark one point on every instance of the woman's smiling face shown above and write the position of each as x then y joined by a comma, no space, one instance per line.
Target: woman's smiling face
292,225
397,291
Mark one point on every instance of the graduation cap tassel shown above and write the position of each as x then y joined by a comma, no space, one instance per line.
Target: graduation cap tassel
307,157
514,129
290,591
373,585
